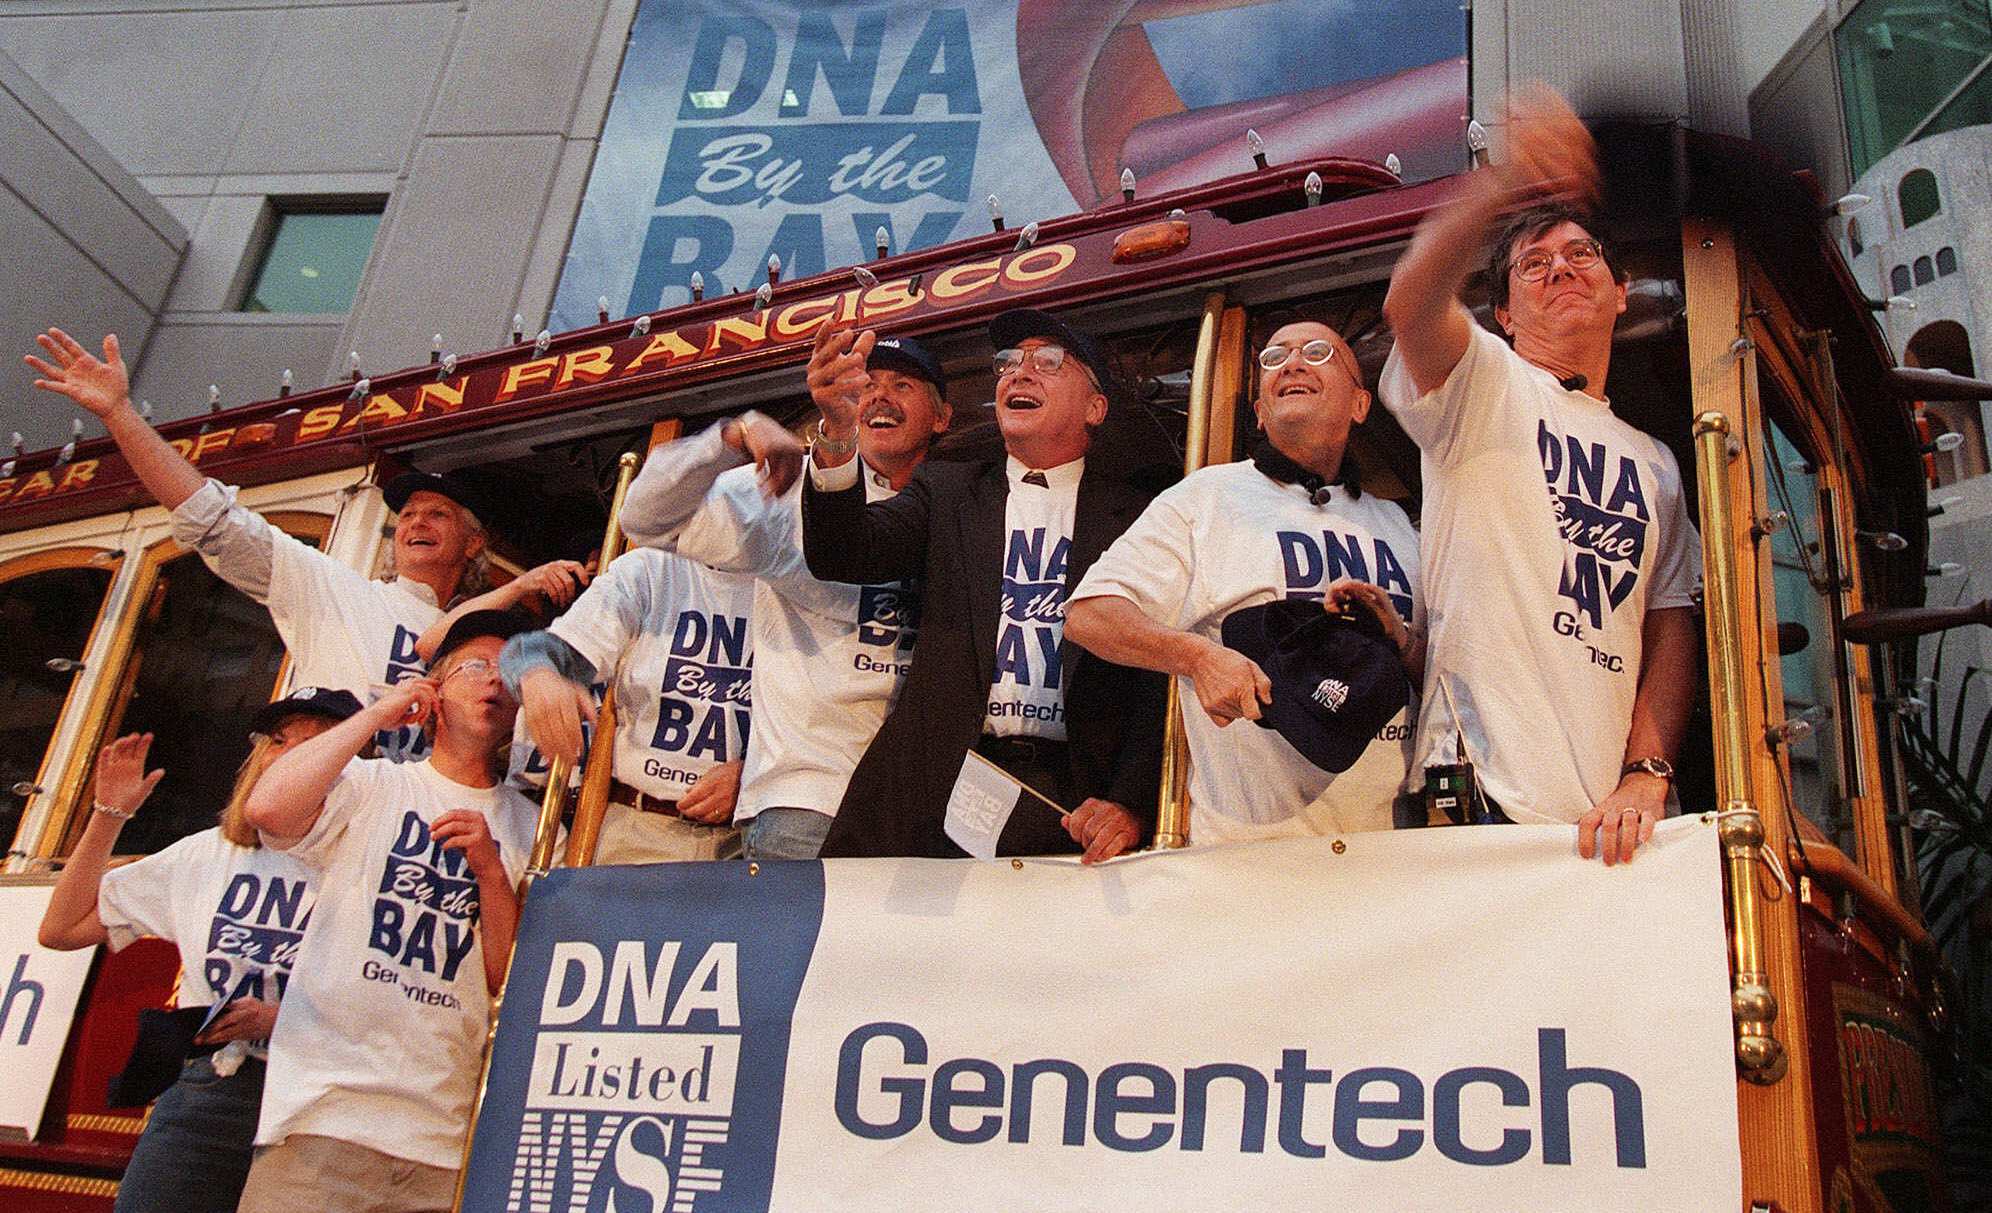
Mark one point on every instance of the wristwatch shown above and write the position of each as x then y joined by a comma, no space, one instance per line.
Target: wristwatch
1652,766
833,446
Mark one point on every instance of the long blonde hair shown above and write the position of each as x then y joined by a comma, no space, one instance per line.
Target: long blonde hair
263,751
235,825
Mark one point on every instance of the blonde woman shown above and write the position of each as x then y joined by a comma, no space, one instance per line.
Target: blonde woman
236,910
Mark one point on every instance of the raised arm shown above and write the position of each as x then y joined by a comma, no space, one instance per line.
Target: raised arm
844,539
102,388
677,479
1550,155
287,800
71,920
556,582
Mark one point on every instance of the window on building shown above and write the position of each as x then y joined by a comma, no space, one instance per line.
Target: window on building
1926,273
1898,279
1945,345
1900,62
1918,196
1946,261
313,255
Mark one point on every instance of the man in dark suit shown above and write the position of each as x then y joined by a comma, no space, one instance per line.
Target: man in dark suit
998,538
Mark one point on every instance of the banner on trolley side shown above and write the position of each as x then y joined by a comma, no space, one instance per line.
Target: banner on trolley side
1464,1018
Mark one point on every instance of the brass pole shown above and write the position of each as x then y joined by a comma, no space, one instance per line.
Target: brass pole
593,800
1759,1056
1172,819
551,802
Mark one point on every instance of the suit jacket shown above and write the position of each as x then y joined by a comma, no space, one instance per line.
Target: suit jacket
947,528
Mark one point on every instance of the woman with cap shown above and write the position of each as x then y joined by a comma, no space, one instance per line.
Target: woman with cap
237,911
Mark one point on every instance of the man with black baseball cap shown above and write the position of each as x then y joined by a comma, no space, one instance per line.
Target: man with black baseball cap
373,1064
996,540
828,656
1216,584
342,628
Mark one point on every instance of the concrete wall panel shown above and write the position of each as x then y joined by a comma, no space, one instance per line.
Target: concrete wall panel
244,356
453,249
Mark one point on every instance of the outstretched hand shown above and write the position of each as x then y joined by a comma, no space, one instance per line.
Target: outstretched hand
122,781
1549,153
100,385
776,453
838,376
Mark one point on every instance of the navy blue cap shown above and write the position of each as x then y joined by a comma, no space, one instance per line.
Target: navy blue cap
398,490
909,357
1337,679
502,624
1019,325
305,701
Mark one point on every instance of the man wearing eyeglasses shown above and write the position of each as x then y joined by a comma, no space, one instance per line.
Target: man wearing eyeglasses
997,540
1569,606
1290,522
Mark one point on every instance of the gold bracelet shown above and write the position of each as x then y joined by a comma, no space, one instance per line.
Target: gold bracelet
98,806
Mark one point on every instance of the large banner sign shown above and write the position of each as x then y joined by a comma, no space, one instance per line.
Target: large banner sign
743,129
1432,1019
39,990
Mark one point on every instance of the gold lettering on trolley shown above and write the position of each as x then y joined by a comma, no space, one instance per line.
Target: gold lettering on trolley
966,279
745,333
447,398
591,365
668,346
319,422
524,374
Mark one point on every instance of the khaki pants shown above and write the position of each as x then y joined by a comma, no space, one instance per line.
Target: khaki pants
632,837
304,1171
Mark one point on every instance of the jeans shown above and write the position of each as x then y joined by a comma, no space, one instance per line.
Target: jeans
195,1152
786,834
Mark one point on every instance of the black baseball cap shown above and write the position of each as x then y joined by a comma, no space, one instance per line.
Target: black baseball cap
402,487
502,624
1019,325
332,704
1337,679
909,357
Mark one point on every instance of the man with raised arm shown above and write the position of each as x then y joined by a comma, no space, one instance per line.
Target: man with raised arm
343,629
1290,522
829,655
997,540
1560,558
373,1067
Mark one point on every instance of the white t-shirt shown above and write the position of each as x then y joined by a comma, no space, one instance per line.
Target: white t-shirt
236,914
1538,598
1229,537
675,634
829,656
1027,694
344,630
379,1039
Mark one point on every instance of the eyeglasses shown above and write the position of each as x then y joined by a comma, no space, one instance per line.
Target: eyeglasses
1533,266
1317,352
475,665
1045,360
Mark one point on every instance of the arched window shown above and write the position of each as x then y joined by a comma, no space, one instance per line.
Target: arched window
1945,345
1898,279
1946,261
1854,245
1918,196
1925,272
